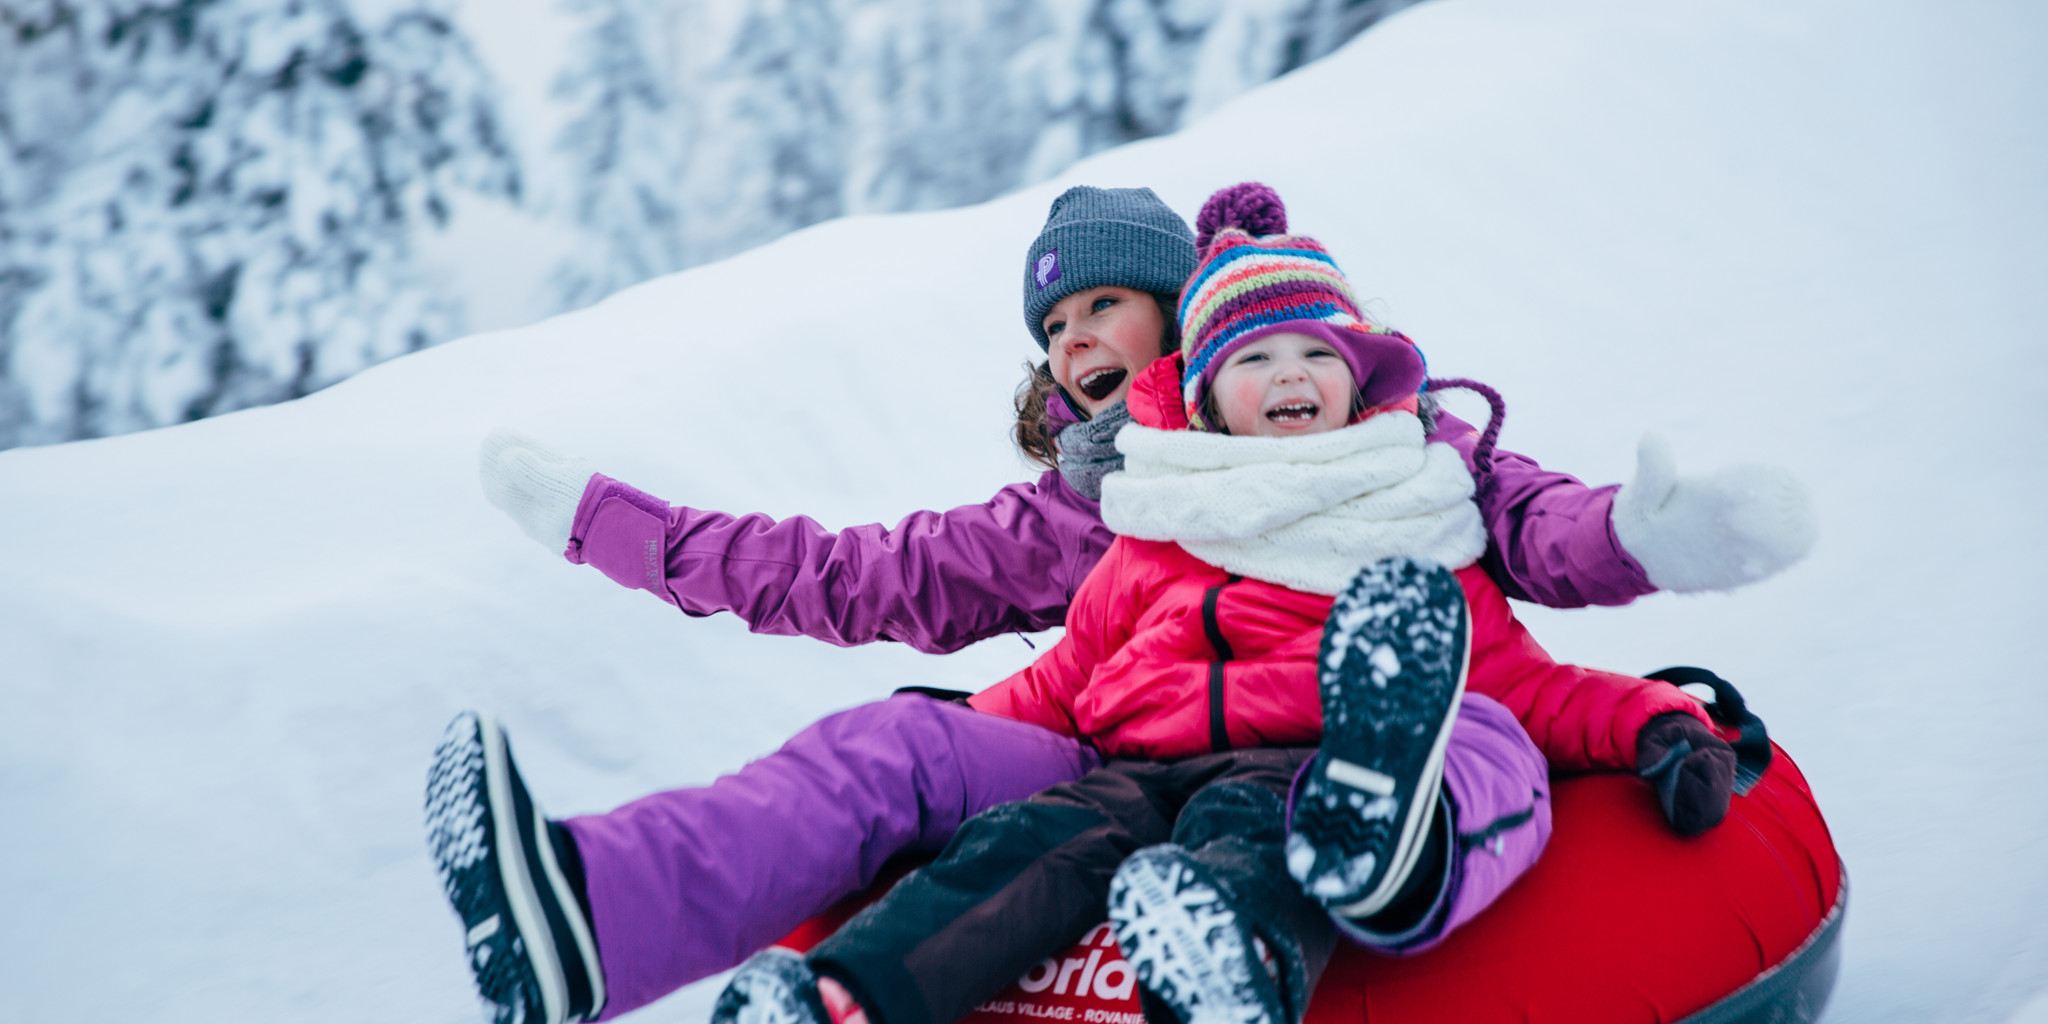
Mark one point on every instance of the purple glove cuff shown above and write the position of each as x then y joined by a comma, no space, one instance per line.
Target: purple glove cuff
621,532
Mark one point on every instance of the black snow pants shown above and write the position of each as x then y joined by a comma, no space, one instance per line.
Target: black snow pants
1024,880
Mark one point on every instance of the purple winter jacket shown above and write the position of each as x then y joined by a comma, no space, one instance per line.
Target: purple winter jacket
940,581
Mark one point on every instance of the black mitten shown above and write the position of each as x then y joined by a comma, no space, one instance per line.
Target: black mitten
1691,768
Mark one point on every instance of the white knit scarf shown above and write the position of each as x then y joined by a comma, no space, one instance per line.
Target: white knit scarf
1302,512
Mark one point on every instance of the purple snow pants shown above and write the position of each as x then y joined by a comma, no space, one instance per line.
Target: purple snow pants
1497,788
687,883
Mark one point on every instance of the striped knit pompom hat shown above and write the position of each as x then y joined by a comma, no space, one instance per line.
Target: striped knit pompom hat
1255,279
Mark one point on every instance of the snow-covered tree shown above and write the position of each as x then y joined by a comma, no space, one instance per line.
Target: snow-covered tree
777,114
211,204
624,147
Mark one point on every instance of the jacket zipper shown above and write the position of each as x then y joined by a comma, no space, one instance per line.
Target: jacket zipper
1219,736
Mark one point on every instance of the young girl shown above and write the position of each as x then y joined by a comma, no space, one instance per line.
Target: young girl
594,916
1209,627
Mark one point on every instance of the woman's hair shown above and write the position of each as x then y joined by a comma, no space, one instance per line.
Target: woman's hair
1034,436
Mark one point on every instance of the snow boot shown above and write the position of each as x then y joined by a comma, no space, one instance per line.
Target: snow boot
1192,947
529,939
1391,671
774,986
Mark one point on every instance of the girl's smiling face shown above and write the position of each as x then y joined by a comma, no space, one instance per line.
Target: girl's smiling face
1101,338
1284,385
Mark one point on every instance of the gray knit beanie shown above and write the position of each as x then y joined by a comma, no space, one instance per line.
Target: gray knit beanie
1125,237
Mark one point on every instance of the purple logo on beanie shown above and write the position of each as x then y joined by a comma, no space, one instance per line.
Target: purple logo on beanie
1048,269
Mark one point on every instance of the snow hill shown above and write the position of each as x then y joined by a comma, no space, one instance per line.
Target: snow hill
1806,232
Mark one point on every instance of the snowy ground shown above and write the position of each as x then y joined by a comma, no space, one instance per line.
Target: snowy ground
1808,233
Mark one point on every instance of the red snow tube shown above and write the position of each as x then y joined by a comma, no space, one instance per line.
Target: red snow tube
1621,922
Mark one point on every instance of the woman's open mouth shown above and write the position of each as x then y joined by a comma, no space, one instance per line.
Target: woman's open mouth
1100,384
1293,412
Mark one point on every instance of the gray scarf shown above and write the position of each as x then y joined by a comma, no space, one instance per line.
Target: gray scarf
1088,450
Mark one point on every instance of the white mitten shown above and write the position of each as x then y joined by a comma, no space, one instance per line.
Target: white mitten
1712,532
534,484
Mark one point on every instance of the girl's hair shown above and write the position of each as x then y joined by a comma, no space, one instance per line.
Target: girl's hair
1034,436
1212,414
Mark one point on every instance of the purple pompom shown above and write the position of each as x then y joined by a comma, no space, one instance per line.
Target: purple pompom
1249,206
